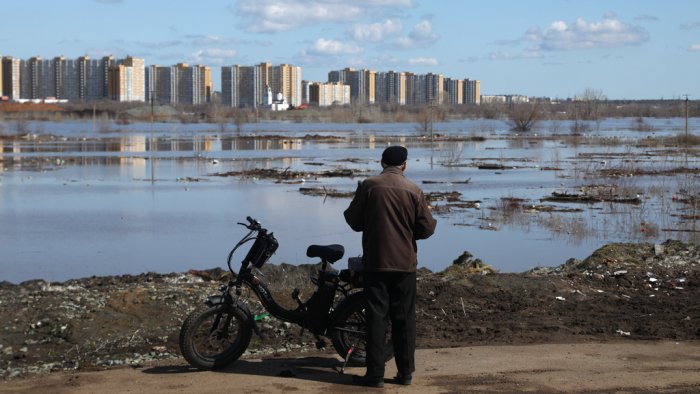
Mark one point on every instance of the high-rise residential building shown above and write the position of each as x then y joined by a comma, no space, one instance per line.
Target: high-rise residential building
127,80
381,87
94,77
60,78
161,84
472,91
68,79
30,77
305,91
252,84
246,86
390,87
362,83
11,77
193,84
151,80
454,91
434,89
331,93
230,86
208,83
412,86
286,79
342,76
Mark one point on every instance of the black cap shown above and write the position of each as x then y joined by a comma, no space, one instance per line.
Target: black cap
394,155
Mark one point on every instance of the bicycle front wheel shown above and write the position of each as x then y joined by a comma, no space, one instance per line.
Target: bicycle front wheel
215,336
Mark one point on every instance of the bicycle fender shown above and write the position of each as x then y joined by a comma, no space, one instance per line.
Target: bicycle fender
221,300
349,300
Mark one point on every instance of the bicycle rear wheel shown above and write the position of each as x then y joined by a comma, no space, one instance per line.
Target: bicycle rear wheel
350,330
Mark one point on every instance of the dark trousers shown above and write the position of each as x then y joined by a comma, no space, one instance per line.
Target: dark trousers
391,296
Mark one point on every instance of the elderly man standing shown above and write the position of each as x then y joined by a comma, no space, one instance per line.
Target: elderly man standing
392,214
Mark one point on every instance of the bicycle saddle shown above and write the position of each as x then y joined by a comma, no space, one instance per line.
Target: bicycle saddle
328,253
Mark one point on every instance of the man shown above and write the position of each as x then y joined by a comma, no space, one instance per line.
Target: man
392,214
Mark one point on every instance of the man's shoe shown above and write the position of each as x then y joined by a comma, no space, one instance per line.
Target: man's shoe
368,381
404,380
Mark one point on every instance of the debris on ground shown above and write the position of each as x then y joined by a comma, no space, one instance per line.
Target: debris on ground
647,290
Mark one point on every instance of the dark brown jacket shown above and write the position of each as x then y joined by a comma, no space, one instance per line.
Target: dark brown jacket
392,214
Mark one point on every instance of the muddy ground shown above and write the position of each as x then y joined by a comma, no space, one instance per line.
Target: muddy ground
621,292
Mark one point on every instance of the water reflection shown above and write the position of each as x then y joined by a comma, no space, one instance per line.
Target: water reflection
75,205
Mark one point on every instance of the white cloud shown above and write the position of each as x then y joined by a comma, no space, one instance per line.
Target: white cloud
376,32
216,56
420,36
323,46
694,48
609,33
271,16
423,61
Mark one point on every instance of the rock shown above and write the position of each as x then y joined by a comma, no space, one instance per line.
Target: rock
658,249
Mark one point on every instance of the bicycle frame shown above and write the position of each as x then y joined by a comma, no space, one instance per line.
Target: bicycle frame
219,332
301,315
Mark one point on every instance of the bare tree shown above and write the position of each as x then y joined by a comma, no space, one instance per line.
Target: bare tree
592,102
218,114
425,120
523,117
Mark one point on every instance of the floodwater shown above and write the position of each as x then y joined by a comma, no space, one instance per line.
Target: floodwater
110,199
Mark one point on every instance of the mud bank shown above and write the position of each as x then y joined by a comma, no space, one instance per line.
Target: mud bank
621,292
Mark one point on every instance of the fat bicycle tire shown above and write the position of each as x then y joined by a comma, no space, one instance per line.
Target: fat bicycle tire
213,337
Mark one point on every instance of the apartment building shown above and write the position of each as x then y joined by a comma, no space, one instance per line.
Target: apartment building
242,86
396,87
286,79
362,84
330,93
161,84
454,91
247,86
472,91
11,77
434,89
59,78
194,84
127,80
230,92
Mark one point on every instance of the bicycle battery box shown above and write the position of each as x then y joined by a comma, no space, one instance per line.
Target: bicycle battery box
263,248
355,264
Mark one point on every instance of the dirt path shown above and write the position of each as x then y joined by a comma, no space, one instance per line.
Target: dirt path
632,366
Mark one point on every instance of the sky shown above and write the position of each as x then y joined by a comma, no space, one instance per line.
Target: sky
625,49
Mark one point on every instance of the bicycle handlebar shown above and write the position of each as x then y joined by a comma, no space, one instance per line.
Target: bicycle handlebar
252,225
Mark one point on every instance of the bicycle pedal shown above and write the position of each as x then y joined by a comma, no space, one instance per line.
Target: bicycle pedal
320,344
